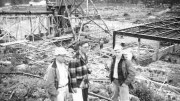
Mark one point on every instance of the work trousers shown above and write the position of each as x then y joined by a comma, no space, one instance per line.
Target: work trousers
63,94
80,94
121,93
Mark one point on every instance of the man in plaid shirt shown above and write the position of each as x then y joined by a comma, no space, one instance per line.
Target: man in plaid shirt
78,73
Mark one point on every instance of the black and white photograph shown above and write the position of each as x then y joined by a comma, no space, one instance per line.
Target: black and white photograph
89,50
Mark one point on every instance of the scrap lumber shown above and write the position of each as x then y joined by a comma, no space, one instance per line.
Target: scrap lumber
96,40
21,73
170,87
62,38
99,96
11,43
5,62
25,12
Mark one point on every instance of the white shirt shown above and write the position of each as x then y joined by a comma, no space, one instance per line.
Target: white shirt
63,73
115,75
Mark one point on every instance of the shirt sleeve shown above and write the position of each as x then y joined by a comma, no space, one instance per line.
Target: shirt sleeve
131,73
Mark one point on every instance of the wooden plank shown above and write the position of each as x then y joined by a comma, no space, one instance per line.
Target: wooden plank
15,42
61,38
99,96
21,73
25,12
167,86
5,62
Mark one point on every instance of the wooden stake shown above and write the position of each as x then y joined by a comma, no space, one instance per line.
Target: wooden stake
157,50
139,46
87,4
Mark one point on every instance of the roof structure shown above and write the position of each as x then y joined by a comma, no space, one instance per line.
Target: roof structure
165,30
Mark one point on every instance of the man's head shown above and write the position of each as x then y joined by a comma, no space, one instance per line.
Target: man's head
118,50
83,46
127,54
121,51
61,54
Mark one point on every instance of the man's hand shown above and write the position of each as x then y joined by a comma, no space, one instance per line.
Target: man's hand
74,90
86,79
123,84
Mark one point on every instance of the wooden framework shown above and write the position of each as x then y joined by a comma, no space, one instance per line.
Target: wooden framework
57,20
67,11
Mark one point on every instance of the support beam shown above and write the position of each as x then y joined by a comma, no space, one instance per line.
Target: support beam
157,50
151,37
114,39
11,43
163,34
25,12
139,46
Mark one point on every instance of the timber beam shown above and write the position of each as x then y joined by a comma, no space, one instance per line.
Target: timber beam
25,12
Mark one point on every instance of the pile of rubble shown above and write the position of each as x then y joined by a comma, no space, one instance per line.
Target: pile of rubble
162,77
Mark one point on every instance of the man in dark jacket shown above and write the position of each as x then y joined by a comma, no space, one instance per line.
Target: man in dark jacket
122,74
79,72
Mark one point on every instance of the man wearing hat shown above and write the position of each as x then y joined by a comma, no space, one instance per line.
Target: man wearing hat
122,74
57,75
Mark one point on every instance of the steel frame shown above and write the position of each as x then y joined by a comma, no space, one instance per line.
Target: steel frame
165,30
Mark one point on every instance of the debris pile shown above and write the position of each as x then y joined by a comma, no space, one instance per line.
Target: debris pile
162,77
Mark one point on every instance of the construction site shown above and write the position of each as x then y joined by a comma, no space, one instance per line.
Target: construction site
30,30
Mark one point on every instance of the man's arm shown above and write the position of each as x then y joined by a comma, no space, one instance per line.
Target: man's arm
50,81
108,64
131,72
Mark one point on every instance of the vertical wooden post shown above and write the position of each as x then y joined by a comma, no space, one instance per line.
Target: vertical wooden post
68,13
114,39
87,4
17,28
48,24
8,32
139,46
39,25
31,32
157,50
18,33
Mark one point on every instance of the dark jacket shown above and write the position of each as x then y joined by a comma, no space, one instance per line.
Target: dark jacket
52,77
127,74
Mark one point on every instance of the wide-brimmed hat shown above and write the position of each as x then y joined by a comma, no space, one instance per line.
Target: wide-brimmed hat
61,51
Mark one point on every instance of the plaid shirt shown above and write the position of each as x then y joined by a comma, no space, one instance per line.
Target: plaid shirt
77,70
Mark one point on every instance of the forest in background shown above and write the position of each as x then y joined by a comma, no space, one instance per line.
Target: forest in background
146,2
